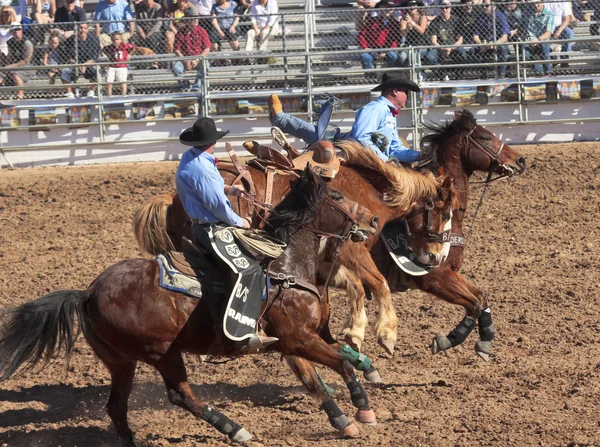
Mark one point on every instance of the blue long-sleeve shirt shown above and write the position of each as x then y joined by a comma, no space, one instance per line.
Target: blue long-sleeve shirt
377,117
202,189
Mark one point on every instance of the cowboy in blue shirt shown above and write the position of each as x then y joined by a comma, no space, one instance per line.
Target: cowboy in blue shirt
203,196
374,125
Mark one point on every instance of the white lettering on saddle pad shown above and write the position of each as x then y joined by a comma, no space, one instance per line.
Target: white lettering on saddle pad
233,250
242,319
397,243
242,292
241,263
226,236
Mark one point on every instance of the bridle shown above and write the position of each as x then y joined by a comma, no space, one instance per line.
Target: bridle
428,235
494,157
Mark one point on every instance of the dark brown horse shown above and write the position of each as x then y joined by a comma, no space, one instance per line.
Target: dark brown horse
460,147
126,317
390,192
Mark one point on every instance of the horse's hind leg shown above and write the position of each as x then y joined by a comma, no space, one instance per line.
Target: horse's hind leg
172,370
305,371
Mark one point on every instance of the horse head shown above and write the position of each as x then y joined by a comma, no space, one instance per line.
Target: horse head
428,226
314,205
484,151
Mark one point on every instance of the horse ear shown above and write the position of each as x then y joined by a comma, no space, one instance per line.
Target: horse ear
448,182
458,115
441,172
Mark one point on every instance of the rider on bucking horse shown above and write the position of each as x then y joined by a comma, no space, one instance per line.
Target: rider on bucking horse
374,125
203,195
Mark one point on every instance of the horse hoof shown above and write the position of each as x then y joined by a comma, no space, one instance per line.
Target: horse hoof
366,417
241,436
440,343
349,431
372,376
387,345
483,349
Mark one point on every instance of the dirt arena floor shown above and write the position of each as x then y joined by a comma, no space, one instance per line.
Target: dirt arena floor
534,250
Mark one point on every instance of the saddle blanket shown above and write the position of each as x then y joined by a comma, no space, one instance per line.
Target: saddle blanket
395,239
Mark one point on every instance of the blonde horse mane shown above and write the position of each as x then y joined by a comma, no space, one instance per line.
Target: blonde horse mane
150,224
401,187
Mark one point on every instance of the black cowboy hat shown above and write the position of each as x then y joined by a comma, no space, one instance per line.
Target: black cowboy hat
397,80
204,131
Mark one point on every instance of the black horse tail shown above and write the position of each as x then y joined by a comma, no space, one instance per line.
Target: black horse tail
31,332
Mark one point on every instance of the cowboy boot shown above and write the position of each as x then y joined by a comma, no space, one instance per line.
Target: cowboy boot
275,106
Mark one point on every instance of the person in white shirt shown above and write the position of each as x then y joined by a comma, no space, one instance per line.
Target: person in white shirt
563,15
264,24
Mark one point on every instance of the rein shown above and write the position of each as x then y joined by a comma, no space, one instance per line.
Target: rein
427,211
495,157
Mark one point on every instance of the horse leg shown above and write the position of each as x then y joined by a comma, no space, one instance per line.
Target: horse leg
315,349
455,289
122,371
172,369
305,371
354,327
483,346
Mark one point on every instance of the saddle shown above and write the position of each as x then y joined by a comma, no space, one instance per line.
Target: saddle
320,156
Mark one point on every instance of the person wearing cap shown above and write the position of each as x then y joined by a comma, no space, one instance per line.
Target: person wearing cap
374,125
467,17
20,52
66,15
491,28
445,30
203,195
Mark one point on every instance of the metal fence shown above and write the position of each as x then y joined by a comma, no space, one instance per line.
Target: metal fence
306,54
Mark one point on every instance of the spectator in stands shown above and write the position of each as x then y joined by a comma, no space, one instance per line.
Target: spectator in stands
19,6
445,30
53,56
66,16
191,40
116,11
379,32
7,16
563,16
118,52
149,26
182,9
264,24
20,52
374,125
225,23
204,8
363,12
42,13
514,16
88,52
467,17
413,28
484,34
538,24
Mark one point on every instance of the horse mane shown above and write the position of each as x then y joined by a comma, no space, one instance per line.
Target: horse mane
148,224
434,143
400,187
298,206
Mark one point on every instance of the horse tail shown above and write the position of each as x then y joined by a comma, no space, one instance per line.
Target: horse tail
35,331
150,225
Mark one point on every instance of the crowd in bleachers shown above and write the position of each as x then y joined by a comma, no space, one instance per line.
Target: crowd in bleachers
464,32
471,32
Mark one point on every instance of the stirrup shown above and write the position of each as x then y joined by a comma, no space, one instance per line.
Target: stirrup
257,342
278,136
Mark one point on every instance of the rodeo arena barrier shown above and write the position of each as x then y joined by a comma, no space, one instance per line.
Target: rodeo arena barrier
531,74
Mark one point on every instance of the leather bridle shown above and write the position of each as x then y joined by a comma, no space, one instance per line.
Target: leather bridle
494,157
428,235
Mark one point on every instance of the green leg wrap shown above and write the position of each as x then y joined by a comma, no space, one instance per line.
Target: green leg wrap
359,361
329,390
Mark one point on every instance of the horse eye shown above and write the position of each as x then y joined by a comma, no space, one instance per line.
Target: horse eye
336,195
446,217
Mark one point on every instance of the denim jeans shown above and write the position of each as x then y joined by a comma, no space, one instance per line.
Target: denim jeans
178,69
488,56
304,130
540,51
403,60
366,59
457,55
567,34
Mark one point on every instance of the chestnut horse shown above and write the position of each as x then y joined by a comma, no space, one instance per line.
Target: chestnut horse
460,147
390,192
126,317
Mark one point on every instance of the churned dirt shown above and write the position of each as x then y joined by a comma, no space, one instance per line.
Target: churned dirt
534,250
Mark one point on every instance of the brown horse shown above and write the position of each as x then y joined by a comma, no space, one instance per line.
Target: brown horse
126,317
389,191
460,147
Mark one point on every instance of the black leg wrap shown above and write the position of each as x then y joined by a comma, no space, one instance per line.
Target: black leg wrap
220,421
486,326
336,417
127,440
357,394
460,333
